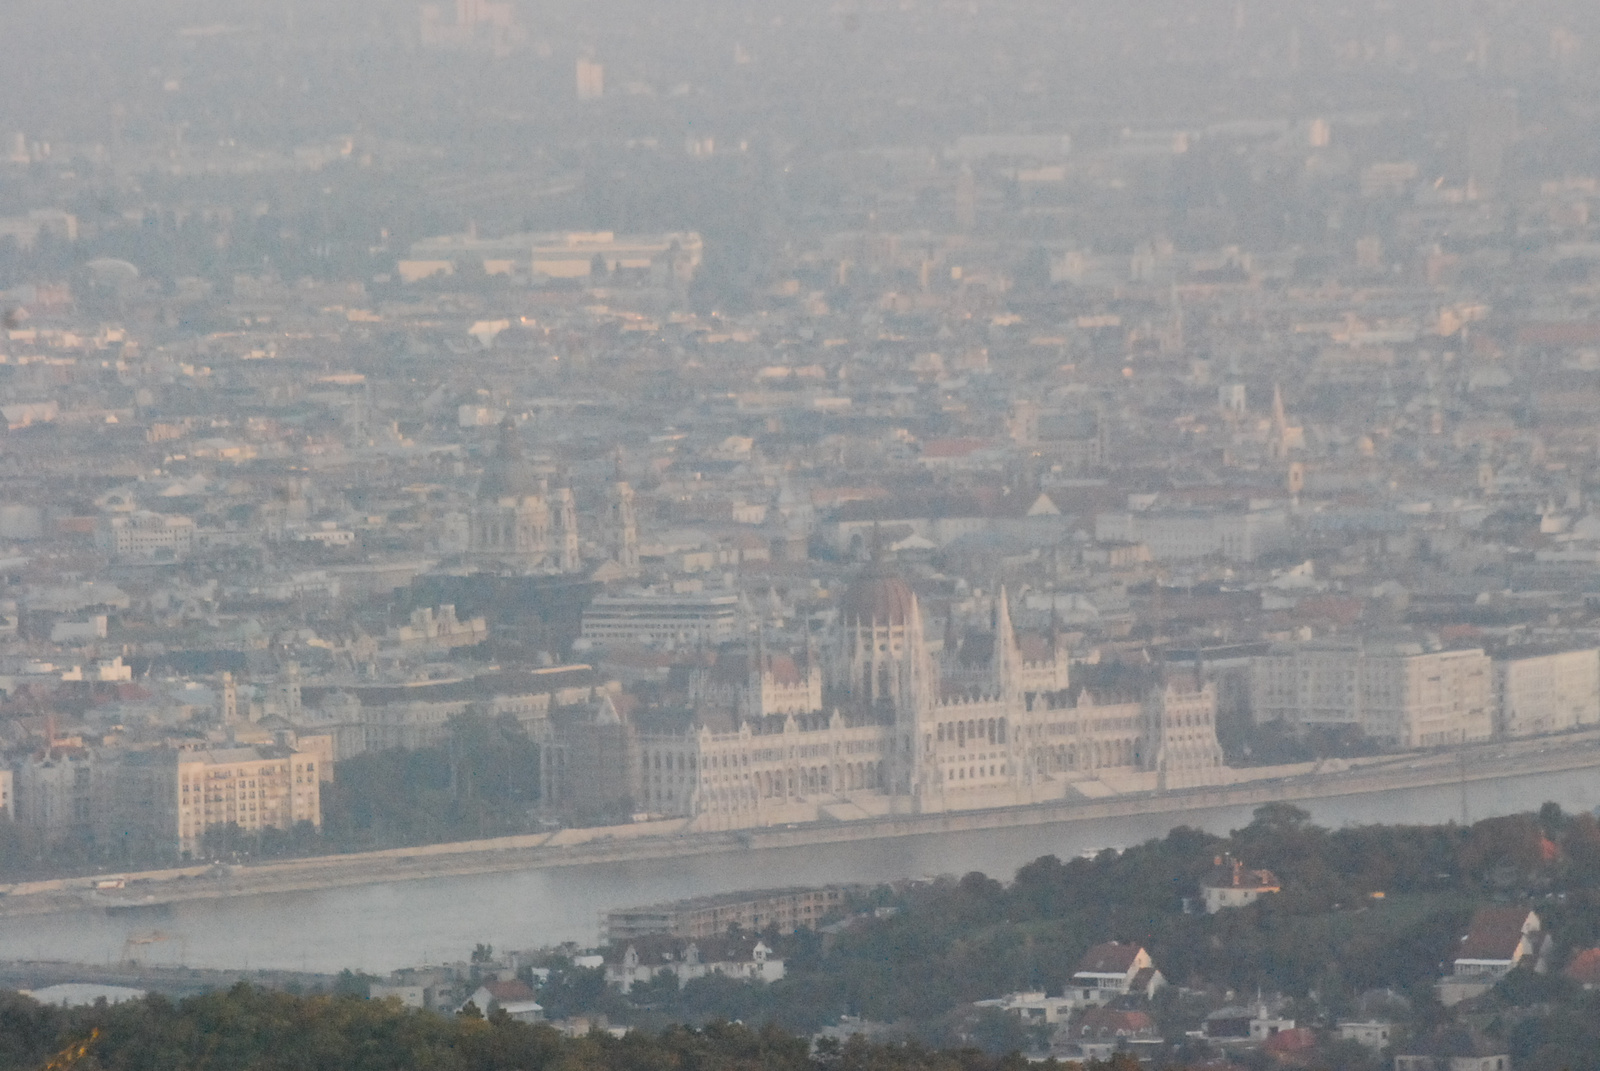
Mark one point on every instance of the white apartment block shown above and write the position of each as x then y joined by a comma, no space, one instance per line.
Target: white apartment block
1240,536
662,620
1547,691
145,535
1396,693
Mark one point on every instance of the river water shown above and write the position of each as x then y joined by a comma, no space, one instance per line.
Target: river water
378,928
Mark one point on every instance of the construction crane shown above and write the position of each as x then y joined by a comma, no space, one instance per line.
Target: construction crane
71,1055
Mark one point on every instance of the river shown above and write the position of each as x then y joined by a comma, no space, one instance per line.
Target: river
378,928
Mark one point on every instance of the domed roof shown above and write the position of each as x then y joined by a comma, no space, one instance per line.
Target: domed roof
508,474
878,597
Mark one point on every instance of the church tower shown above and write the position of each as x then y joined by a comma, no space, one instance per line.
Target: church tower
567,526
624,529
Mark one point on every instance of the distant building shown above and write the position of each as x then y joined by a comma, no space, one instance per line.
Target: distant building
143,534
1453,1048
646,958
1499,940
1370,1033
1182,535
657,259
902,731
590,78
1395,692
1546,692
8,799
687,620
1112,970
711,916
1096,1033
512,524
1231,885
512,997
55,792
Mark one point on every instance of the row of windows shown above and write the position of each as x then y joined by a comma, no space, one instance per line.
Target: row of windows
992,730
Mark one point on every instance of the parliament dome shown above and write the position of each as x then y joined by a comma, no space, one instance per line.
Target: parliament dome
877,598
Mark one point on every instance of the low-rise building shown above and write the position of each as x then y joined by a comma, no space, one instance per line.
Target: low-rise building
1231,885
511,996
1453,1048
1499,940
1369,1033
644,959
1096,1033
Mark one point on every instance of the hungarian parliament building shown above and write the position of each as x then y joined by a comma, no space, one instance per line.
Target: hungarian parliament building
880,722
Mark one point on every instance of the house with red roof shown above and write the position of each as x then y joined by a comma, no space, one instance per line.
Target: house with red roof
1585,968
1095,1033
511,996
1230,884
1292,1047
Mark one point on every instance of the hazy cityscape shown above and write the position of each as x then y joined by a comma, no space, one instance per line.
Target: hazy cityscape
583,522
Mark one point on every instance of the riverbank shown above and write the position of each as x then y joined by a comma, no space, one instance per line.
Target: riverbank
151,892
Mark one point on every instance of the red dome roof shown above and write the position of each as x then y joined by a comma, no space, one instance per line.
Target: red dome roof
886,600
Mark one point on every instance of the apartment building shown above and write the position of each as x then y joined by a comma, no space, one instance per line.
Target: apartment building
687,620
164,799
1183,535
255,787
712,916
54,792
1543,691
145,535
1395,692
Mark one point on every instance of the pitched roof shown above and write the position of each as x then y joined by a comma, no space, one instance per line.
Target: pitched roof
1585,967
1494,934
1296,1039
1231,874
1111,957
1113,1022
1454,1040
510,991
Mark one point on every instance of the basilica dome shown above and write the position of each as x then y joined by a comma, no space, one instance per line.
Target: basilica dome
508,474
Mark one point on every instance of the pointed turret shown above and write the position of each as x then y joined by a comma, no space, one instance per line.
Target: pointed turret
1006,654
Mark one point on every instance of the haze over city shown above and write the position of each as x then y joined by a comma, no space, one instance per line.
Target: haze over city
884,533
